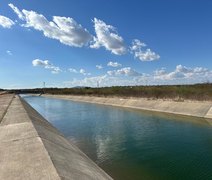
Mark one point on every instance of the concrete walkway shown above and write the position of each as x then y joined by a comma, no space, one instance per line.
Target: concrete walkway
32,149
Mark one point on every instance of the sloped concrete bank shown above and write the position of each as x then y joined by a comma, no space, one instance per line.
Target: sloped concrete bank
189,108
31,148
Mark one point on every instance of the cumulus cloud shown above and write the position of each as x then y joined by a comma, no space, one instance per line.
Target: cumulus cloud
69,32
128,77
183,72
137,48
137,45
147,55
122,77
6,22
127,71
114,64
106,36
72,70
38,62
99,66
81,71
64,29
17,11
87,81
47,65
97,81
106,80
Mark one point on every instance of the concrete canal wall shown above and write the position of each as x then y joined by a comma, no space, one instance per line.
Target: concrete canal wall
31,148
188,108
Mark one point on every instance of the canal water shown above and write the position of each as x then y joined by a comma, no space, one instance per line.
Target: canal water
133,145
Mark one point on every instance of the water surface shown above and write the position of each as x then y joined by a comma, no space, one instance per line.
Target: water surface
130,144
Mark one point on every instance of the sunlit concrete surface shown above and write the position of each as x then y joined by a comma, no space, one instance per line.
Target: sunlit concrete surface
31,148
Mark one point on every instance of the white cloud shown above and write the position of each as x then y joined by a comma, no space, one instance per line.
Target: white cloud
143,55
147,55
107,37
106,80
64,29
38,62
69,32
127,71
160,72
111,73
183,72
72,70
81,71
47,65
54,69
95,81
17,11
114,64
6,22
99,66
88,81
9,53
137,45
129,77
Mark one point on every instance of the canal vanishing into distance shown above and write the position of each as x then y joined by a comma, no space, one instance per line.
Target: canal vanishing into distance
130,144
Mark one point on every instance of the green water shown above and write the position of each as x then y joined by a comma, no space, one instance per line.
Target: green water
133,145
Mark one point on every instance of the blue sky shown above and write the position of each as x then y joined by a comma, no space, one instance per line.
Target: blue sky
70,43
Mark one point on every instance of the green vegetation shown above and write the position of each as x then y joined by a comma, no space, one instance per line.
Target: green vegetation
176,92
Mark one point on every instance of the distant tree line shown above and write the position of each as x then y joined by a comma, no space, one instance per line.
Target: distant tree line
177,92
